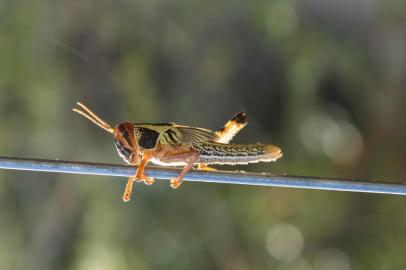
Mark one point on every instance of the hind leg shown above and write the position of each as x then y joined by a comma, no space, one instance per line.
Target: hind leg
226,133
232,127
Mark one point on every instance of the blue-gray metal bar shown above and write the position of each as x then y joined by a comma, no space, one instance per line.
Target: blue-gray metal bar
243,178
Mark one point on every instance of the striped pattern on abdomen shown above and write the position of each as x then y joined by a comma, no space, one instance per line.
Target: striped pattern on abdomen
233,154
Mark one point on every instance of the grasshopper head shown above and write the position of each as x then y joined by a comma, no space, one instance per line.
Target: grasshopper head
123,133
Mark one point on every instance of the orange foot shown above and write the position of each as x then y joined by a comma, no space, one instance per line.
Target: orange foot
126,197
147,180
175,182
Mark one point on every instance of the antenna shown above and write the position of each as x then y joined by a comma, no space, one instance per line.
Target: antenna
93,117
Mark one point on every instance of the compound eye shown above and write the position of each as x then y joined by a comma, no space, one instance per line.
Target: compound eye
124,133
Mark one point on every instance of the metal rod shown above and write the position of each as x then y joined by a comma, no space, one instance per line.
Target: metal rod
243,178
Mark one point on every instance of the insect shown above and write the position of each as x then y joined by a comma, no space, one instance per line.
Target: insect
169,144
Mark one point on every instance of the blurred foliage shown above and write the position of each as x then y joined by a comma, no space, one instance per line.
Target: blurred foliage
325,80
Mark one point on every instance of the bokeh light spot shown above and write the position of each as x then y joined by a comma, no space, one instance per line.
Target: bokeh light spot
99,257
284,242
298,264
332,259
337,138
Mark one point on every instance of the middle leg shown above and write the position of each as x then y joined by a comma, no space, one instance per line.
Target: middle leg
176,181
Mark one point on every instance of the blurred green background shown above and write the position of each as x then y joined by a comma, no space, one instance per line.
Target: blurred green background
324,80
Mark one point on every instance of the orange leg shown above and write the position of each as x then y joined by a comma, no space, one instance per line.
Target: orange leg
128,189
175,182
135,160
139,176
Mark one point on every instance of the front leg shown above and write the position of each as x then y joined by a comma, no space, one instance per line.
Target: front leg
139,176
175,182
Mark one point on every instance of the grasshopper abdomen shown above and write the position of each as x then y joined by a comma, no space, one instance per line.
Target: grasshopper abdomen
234,154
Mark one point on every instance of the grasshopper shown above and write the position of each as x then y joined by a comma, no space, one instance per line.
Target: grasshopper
169,144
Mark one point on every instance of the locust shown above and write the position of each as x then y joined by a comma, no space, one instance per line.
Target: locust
170,144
